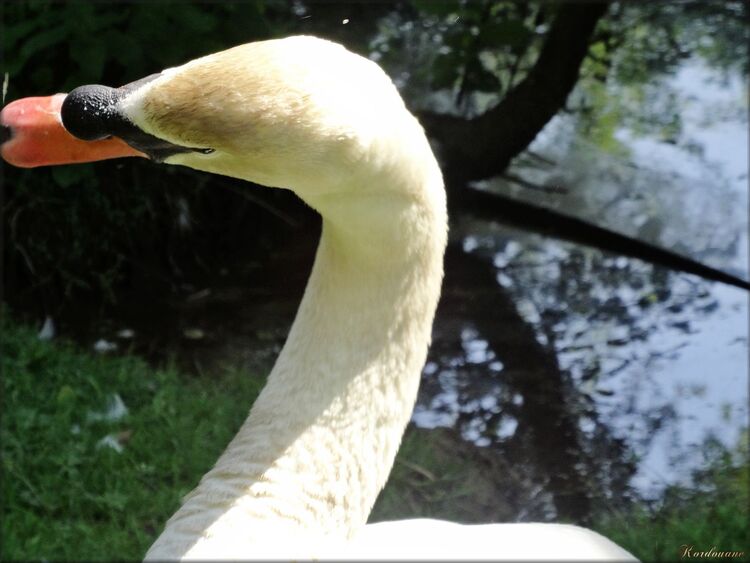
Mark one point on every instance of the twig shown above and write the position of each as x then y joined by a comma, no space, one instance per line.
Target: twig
418,469
540,158
248,195
288,219
532,186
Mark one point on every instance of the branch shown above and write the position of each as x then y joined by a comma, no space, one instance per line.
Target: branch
532,186
509,127
546,221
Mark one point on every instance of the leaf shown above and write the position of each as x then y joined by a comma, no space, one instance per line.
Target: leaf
42,76
483,81
65,395
42,40
445,72
66,176
194,20
440,8
598,49
14,32
128,52
499,34
90,56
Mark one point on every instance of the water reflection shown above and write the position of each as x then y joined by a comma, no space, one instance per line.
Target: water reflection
687,193
649,362
644,365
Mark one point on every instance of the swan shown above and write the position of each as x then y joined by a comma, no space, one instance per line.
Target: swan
301,475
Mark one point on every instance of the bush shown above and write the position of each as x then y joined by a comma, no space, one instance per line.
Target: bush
92,227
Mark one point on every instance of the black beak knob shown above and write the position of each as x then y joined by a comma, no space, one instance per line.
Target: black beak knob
90,112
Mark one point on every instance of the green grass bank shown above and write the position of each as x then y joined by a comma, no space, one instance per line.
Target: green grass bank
68,493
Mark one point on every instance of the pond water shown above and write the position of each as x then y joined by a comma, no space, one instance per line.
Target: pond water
597,376
658,360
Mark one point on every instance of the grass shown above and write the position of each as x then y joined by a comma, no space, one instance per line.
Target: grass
424,482
711,513
64,496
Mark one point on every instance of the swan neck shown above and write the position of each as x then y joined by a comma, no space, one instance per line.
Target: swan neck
322,436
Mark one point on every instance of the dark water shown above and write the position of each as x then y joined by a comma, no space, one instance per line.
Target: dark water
598,378
648,366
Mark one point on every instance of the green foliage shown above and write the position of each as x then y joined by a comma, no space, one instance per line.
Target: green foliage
625,80
424,482
48,211
472,51
439,8
477,51
52,46
710,512
652,39
96,227
482,44
89,227
67,497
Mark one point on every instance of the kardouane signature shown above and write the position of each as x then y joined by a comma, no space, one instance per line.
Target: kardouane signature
688,551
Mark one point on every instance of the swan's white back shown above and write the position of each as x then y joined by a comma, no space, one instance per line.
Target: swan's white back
436,540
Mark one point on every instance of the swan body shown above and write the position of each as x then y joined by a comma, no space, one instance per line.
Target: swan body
438,540
301,475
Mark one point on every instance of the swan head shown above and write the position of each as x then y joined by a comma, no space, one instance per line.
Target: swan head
300,113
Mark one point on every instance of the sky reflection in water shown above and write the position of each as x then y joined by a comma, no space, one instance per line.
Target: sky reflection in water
670,358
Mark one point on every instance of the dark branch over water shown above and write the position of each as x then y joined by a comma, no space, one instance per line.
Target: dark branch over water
550,222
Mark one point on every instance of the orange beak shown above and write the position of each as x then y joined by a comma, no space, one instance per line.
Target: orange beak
38,138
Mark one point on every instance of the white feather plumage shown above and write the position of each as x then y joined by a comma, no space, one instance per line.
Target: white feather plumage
300,477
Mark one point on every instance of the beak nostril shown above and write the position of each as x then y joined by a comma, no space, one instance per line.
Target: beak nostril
5,133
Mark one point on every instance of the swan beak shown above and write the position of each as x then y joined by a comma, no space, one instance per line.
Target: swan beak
32,134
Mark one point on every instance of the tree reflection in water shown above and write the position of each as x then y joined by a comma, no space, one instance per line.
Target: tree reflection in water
599,375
